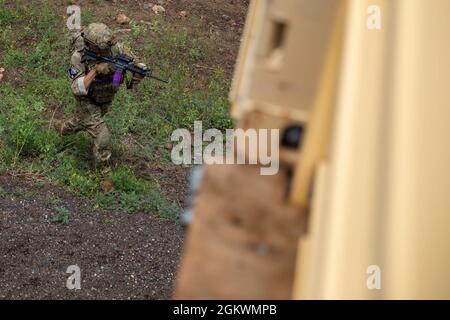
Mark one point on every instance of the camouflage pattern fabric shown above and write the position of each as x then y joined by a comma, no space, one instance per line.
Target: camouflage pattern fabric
92,104
89,117
99,36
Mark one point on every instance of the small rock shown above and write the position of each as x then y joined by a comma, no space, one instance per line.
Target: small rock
106,185
148,6
169,146
2,70
124,30
183,14
122,19
157,9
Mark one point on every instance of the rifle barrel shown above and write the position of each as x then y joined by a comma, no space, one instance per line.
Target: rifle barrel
125,65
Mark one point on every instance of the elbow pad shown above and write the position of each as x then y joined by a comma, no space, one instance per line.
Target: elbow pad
78,87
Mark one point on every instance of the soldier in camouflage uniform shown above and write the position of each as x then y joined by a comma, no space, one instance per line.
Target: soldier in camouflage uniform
92,86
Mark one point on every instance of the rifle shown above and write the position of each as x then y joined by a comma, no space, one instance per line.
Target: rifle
122,63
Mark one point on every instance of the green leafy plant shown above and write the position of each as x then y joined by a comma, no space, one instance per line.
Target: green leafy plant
155,203
3,193
53,199
62,216
136,28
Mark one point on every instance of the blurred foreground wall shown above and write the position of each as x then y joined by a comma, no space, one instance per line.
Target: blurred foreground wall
366,190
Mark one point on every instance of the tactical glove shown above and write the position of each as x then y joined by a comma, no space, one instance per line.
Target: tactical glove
138,77
103,68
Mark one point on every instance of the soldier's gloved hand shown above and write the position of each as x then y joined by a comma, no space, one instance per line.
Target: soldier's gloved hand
103,68
138,77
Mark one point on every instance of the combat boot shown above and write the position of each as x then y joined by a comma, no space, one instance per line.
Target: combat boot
102,160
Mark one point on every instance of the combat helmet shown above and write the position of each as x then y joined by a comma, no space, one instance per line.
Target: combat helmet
98,37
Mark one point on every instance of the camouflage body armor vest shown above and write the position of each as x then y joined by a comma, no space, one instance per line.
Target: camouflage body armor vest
101,91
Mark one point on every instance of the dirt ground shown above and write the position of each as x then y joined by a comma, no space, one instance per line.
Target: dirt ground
120,256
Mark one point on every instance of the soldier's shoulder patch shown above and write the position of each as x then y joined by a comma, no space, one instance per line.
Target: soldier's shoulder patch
73,72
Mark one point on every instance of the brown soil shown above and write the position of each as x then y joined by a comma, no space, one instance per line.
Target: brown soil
121,256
